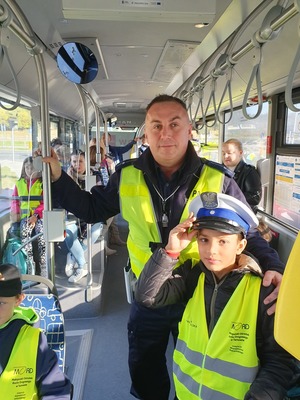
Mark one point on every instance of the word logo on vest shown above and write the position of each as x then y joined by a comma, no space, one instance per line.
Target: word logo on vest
237,326
22,370
238,336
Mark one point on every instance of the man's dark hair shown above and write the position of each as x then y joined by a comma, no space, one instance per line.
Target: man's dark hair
163,98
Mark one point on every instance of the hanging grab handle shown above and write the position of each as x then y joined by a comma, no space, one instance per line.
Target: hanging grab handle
3,54
227,88
199,91
255,76
289,86
211,100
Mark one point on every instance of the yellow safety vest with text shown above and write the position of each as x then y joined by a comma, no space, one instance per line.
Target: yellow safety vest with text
35,190
18,380
225,364
137,209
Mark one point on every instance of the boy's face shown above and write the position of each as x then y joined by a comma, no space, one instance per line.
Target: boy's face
218,250
7,306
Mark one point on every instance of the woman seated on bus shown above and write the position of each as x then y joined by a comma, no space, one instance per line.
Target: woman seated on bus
76,267
103,171
27,209
245,175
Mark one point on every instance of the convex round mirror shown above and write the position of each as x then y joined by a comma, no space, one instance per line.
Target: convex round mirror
77,63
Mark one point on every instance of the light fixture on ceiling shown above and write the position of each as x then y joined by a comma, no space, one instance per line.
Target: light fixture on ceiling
201,25
173,56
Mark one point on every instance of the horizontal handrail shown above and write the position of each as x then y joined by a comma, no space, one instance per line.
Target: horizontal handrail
279,222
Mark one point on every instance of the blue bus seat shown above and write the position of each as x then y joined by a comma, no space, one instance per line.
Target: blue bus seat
48,308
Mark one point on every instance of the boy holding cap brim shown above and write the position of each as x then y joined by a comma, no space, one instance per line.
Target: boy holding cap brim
226,347
28,367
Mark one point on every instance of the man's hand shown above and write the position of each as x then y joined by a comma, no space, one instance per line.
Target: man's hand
54,164
275,278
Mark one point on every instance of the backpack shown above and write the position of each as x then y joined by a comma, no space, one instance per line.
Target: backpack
11,245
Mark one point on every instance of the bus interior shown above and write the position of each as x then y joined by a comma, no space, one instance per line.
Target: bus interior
78,70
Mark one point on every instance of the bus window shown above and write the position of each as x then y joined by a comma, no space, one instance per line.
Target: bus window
16,144
292,135
208,136
252,133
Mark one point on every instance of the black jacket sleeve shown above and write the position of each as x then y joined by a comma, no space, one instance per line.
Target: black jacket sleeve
99,205
268,258
159,285
277,366
252,187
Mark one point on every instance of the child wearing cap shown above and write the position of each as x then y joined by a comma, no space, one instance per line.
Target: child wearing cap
28,367
226,347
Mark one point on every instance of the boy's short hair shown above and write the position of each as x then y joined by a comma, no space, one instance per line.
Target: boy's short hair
10,280
223,213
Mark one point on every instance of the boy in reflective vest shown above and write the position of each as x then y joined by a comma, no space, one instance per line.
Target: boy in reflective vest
28,367
226,346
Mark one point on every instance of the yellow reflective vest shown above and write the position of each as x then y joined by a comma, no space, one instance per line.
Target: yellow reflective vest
224,365
18,380
27,209
137,209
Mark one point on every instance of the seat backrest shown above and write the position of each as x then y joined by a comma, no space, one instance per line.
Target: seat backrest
51,321
263,168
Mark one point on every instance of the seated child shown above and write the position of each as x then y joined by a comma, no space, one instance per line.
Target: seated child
226,347
28,367
27,209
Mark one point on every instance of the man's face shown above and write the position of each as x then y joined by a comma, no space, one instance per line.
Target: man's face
231,155
168,131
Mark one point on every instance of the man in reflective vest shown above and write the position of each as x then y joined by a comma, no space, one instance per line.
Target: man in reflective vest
28,367
153,192
226,346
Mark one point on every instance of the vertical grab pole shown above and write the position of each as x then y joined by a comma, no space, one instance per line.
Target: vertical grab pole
25,33
83,96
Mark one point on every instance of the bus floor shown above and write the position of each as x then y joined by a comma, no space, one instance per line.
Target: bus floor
97,347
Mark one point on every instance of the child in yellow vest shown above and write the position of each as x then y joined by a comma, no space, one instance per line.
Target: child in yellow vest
28,367
27,209
226,346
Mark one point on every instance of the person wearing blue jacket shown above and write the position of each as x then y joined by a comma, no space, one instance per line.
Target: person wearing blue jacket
116,152
28,367
153,193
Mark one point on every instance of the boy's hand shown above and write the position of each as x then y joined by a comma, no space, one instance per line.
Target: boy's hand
275,278
181,236
54,164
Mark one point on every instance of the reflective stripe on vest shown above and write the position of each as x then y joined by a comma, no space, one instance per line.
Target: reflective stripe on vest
35,190
223,365
137,209
17,381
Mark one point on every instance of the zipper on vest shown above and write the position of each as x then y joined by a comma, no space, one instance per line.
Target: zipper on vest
213,303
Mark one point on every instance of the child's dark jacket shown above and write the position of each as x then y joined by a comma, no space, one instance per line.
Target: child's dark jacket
160,285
